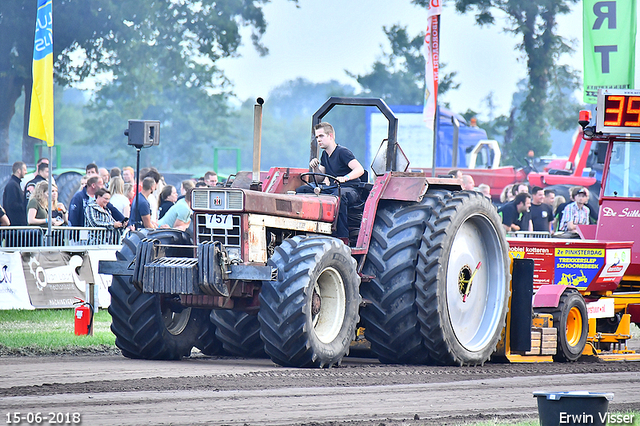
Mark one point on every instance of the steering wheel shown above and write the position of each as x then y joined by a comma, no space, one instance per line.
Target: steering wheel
315,180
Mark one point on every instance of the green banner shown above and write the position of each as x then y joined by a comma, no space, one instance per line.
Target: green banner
609,39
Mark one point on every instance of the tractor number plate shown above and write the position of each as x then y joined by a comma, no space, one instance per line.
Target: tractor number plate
219,221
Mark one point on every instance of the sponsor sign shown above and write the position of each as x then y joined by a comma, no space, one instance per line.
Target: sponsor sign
55,279
577,267
602,308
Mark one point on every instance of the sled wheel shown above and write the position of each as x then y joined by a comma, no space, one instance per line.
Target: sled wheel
570,318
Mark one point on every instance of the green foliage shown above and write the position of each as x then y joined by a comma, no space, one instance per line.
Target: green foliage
399,77
286,124
535,22
161,54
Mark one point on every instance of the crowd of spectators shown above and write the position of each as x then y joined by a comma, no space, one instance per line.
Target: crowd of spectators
526,209
106,199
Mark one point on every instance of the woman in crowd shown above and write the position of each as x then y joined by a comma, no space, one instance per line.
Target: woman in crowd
118,199
130,193
59,209
168,197
37,209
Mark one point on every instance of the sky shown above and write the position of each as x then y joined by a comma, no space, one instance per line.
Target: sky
321,39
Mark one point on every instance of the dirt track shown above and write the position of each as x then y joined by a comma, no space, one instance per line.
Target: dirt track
111,389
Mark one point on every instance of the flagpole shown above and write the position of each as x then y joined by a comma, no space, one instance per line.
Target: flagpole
50,211
435,42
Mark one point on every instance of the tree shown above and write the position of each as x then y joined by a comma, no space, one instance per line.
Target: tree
167,42
399,77
535,22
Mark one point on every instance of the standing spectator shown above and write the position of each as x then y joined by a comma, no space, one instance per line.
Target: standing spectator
179,215
92,169
140,209
118,199
13,197
519,188
557,212
561,206
115,171
41,175
168,197
97,215
127,175
81,199
485,189
512,212
467,183
541,213
106,177
185,185
59,209
153,198
576,213
549,197
129,193
211,178
507,194
37,209
30,176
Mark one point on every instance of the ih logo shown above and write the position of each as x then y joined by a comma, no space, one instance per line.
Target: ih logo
217,201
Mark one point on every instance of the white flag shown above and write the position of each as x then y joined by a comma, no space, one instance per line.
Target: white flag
431,53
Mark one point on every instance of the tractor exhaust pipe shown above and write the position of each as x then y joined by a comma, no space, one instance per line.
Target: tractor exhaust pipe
256,184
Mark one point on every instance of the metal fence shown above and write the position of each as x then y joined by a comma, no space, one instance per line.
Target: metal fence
35,236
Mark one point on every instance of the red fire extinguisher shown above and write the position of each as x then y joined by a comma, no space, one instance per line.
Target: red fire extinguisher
83,314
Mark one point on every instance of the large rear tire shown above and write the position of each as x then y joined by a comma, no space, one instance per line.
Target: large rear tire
570,318
239,333
149,326
461,323
390,316
309,315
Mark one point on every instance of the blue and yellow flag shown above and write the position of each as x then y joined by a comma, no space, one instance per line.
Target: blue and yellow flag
41,115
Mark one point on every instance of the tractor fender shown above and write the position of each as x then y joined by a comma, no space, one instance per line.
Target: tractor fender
548,296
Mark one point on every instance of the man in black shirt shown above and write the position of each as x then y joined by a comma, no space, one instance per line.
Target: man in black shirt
513,212
340,162
541,213
13,197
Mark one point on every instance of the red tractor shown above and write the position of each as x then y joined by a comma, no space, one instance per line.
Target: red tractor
426,271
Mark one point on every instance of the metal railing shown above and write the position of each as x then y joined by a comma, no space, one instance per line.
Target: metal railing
530,234
35,236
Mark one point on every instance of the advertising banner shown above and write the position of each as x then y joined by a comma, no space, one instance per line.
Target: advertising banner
609,43
13,289
55,279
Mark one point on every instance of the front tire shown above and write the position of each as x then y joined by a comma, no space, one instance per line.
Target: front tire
309,315
149,326
461,322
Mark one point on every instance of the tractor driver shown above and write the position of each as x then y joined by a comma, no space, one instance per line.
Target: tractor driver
338,161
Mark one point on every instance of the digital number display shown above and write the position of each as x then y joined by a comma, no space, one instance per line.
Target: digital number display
618,111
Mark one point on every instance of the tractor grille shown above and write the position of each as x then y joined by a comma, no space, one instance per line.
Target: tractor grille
229,236
217,199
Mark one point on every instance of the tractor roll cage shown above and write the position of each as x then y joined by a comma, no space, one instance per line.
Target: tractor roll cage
392,134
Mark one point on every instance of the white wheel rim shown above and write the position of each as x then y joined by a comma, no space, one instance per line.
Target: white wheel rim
327,323
474,318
